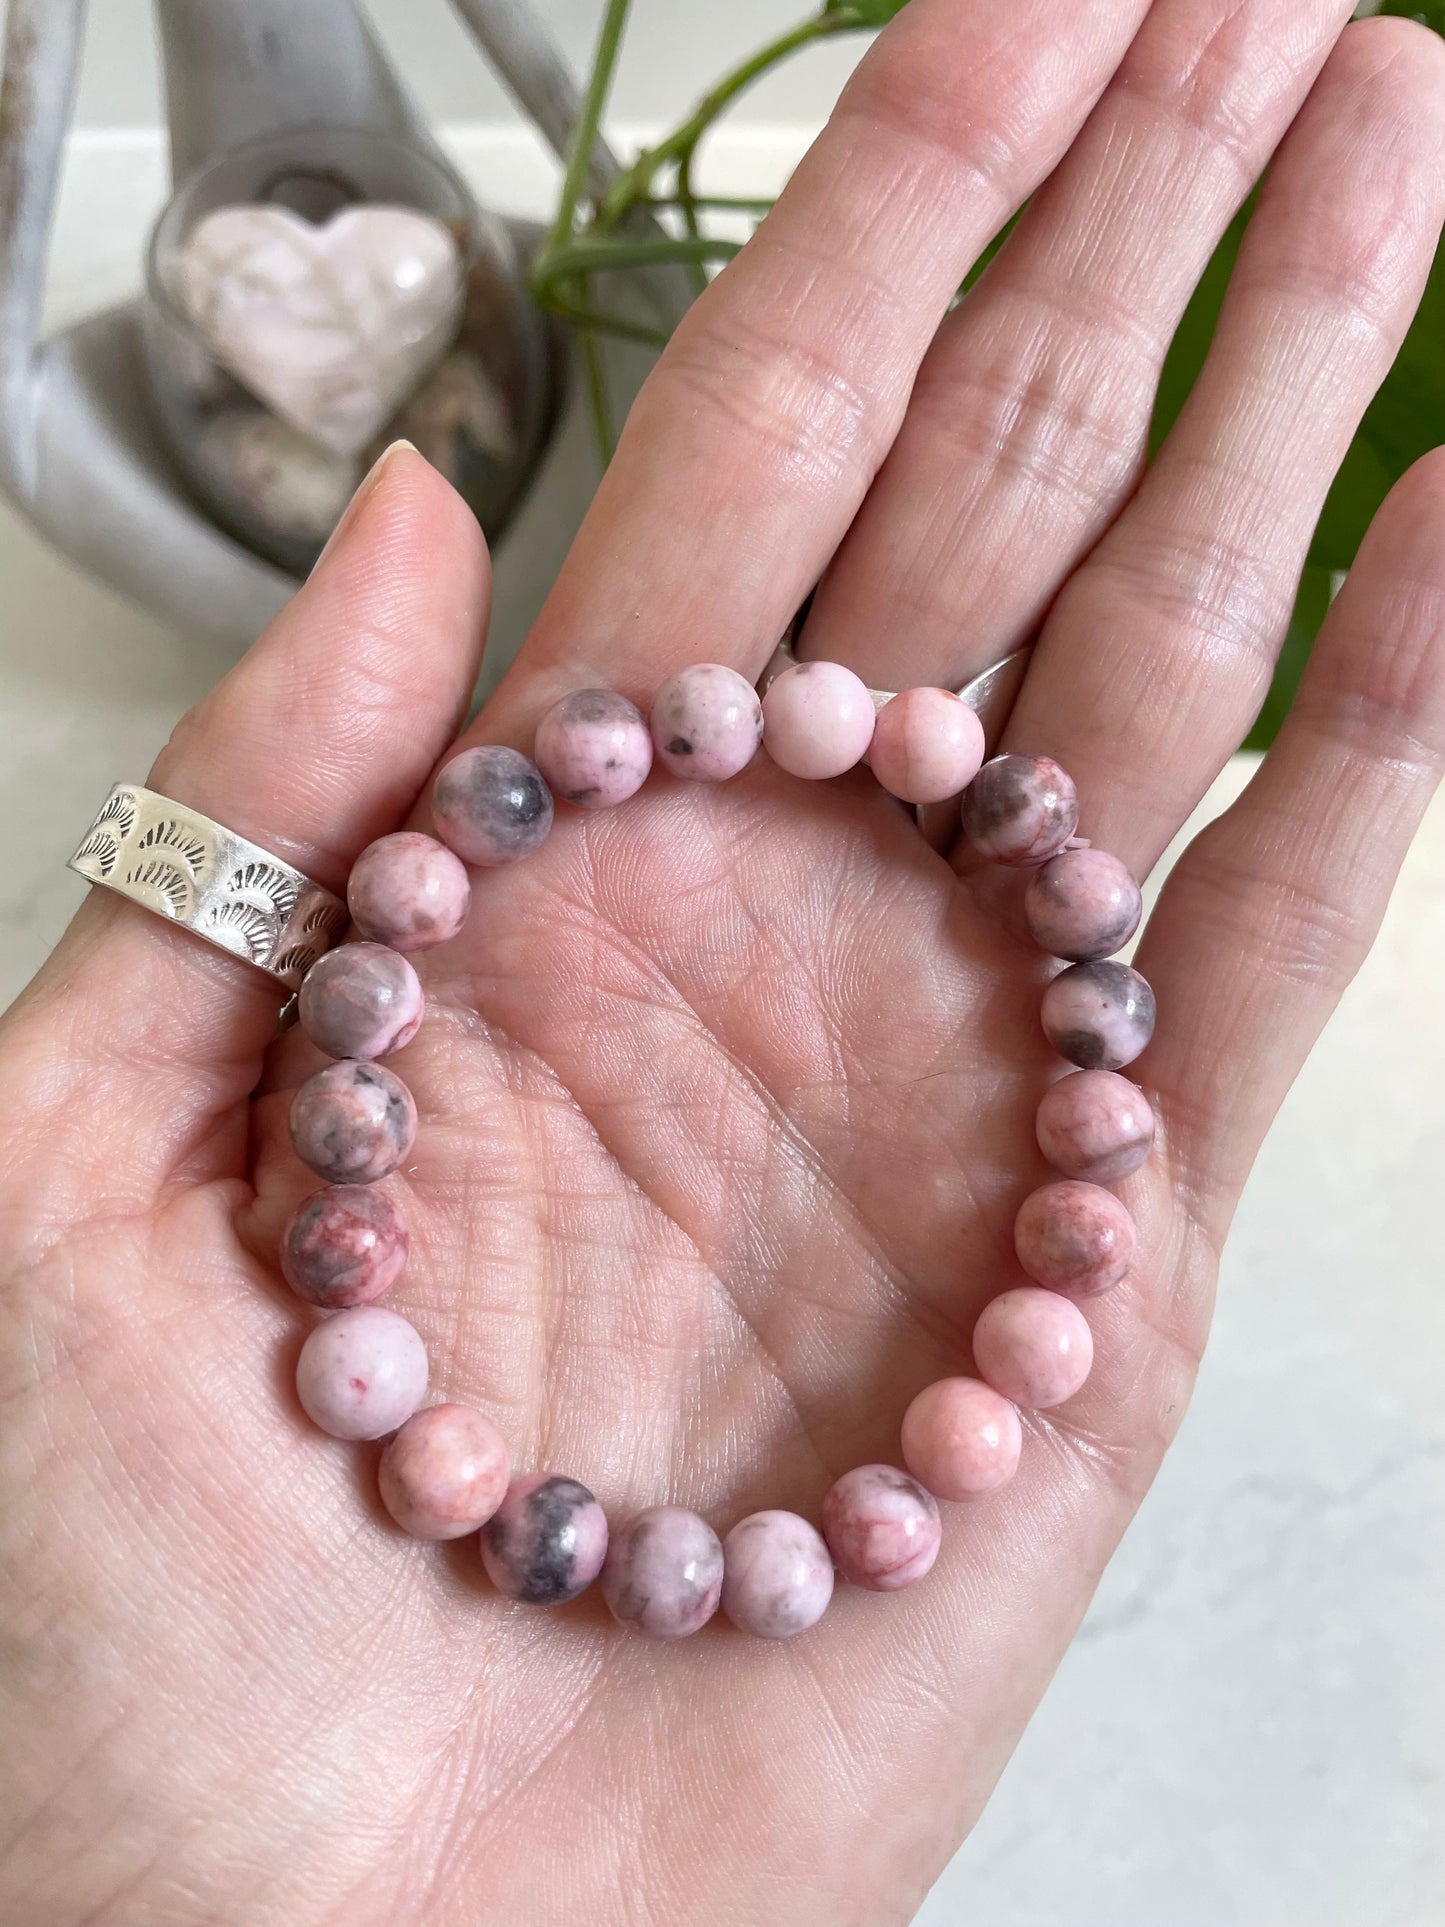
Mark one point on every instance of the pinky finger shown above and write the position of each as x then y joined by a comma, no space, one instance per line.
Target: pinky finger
1274,907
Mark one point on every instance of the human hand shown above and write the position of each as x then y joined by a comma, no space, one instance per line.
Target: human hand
727,1095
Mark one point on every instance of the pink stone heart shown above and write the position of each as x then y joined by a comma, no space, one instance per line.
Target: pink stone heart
332,327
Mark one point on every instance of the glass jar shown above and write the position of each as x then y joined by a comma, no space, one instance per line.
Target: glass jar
479,406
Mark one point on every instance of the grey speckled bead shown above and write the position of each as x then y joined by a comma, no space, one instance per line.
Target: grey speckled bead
345,1245
353,1123
594,748
361,1000
707,722
491,805
1020,809
408,890
664,1572
546,1541
777,1575
1083,904
1099,1015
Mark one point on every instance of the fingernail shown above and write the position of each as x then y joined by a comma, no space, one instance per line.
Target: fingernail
364,488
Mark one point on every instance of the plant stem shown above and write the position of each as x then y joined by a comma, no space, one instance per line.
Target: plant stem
597,395
589,119
586,256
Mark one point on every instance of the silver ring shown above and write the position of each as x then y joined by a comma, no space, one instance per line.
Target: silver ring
197,873
990,693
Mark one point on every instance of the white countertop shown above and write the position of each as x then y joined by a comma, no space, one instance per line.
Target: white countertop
1250,1729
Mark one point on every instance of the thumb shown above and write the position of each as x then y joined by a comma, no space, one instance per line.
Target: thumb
139,1034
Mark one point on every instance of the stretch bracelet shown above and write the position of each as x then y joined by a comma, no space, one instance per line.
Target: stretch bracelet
445,1470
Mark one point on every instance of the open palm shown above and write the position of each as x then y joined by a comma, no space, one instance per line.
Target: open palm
727,1095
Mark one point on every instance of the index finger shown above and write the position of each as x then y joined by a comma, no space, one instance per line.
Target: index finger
754,440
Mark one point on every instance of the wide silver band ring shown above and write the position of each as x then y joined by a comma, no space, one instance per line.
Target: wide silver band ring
206,878
991,693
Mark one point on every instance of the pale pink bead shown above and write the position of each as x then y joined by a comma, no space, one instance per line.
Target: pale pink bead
594,748
1033,1347
362,1373
707,723
445,1472
408,891
1083,904
1095,1125
882,1527
1020,809
1098,1015
777,1575
961,1439
927,745
1075,1238
361,1000
664,1572
817,719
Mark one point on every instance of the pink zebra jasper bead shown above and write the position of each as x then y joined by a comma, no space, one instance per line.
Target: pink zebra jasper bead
777,1575
408,891
1083,904
707,723
1098,1015
444,1473
594,748
491,805
1074,1238
344,1246
362,1373
1095,1125
817,719
361,1000
664,1572
546,1542
961,1439
1020,809
353,1123
882,1528
1033,1347
927,745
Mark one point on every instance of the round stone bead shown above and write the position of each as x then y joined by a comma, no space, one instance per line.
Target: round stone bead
361,1000
1083,904
491,805
1074,1238
344,1246
927,745
1020,809
777,1575
547,1540
362,1373
1095,1125
664,1572
353,1123
408,891
594,748
445,1472
961,1439
1099,1015
707,723
1033,1347
817,719
882,1528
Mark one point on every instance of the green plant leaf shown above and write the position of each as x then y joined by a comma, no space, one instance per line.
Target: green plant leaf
1430,13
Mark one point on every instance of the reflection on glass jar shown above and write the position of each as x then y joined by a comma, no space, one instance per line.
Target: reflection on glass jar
313,297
